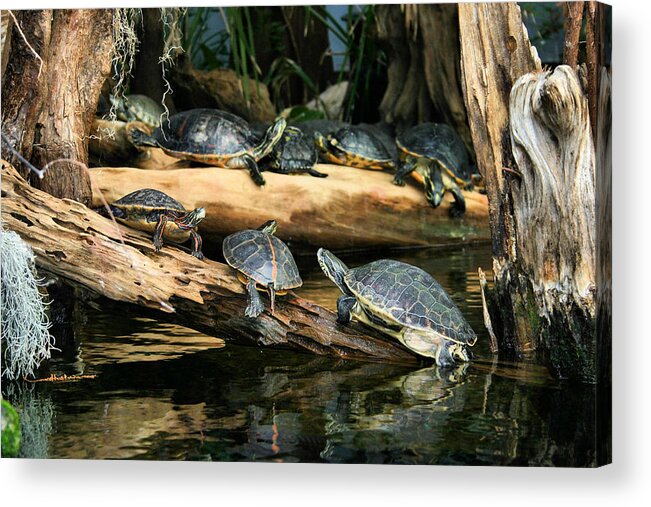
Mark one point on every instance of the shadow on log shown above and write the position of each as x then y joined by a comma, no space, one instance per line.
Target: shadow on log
110,260
350,209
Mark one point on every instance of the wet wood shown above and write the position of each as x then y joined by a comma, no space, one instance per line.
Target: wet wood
50,91
350,209
119,263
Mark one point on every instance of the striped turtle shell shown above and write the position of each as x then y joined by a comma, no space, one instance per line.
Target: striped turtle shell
263,257
360,142
407,295
147,200
139,108
440,142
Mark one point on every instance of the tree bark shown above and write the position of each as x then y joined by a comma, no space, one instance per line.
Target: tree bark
49,101
573,22
113,261
424,75
351,208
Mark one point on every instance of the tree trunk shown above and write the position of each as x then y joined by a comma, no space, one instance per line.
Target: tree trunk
50,93
351,208
424,75
536,125
573,22
113,261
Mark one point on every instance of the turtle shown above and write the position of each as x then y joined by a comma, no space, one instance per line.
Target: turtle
436,156
294,154
354,146
154,211
213,137
404,302
263,263
138,108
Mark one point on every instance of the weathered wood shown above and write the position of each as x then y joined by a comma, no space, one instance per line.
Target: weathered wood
350,209
110,260
219,89
495,51
48,101
109,144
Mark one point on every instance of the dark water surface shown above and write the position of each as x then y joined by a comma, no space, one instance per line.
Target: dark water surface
164,392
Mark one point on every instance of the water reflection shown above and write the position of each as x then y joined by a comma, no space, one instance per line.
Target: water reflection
165,392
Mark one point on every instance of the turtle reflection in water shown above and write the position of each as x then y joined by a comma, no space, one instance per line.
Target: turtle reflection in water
402,301
263,263
154,211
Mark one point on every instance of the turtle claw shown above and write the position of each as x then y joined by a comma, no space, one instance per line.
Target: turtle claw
399,181
158,244
199,255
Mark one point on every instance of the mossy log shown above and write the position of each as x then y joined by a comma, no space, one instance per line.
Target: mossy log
535,151
119,263
350,209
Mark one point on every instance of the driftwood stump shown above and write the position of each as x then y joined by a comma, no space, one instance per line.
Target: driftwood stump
536,153
119,263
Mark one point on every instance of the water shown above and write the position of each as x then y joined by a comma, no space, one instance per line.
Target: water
163,392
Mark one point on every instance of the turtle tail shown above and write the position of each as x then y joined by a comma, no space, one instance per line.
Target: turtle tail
273,134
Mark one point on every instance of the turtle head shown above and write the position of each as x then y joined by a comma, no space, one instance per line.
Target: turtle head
333,268
269,227
191,219
273,134
320,142
433,181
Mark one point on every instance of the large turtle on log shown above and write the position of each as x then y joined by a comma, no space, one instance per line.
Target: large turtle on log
404,302
434,155
294,154
154,211
263,262
213,137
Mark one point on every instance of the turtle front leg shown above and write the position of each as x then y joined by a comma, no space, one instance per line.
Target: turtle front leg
405,169
254,305
345,309
249,162
459,207
196,245
158,233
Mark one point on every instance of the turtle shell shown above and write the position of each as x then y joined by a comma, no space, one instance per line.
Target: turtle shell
294,151
440,142
360,142
263,257
406,295
142,209
206,132
140,108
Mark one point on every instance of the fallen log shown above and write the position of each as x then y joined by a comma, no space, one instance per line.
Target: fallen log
119,263
350,209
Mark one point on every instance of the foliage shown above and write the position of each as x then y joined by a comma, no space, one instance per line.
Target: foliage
302,113
10,423
26,341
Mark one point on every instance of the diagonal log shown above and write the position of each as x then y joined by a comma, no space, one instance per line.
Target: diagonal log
116,262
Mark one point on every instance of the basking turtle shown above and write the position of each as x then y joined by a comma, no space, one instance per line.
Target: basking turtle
138,108
213,137
154,211
263,262
402,301
436,156
294,154
354,146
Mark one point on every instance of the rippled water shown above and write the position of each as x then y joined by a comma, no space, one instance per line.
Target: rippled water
165,392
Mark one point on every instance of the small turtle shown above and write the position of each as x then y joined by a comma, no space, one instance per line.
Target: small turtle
294,154
436,156
138,108
213,137
263,262
154,211
404,302
356,147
